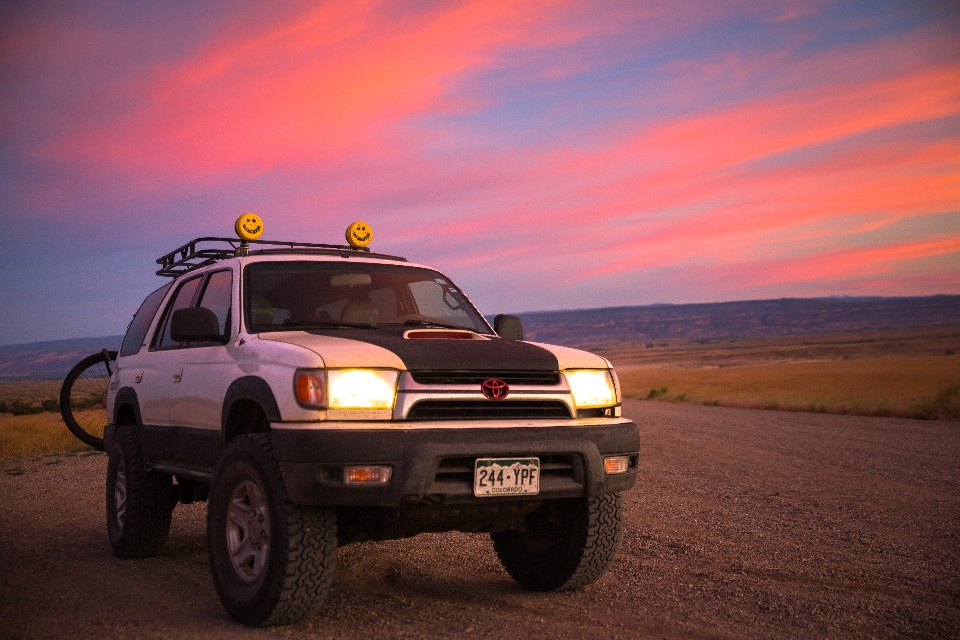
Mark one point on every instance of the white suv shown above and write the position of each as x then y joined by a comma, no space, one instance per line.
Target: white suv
318,395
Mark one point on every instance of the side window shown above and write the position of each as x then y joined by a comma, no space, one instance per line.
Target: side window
181,299
137,330
217,297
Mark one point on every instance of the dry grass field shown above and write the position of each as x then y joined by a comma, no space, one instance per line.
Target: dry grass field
35,434
30,390
38,433
908,373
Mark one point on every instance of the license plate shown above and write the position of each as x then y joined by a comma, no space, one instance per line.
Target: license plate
506,477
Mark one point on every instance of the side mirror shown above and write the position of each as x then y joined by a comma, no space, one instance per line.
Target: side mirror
508,327
195,324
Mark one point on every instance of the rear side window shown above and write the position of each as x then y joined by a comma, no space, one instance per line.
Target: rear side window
181,300
217,297
137,330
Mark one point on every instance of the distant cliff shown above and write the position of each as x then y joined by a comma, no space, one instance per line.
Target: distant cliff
724,320
590,327
49,360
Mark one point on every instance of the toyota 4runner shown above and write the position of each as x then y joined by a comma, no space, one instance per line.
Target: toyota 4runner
318,395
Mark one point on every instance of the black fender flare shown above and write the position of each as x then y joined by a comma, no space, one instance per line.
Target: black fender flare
252,388
125,396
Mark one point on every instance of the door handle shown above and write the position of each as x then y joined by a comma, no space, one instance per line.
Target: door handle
177,375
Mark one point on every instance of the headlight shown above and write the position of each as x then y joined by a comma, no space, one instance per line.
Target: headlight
346,388
591,388
361,388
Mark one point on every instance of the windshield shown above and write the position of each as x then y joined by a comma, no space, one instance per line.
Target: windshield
284,295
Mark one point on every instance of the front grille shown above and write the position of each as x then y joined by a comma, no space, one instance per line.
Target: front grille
538,378
486,409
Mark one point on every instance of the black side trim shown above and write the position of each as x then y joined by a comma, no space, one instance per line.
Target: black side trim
182,447
250,388
183,472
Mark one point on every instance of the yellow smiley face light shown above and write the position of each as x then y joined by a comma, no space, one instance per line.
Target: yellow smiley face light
359,234
249,226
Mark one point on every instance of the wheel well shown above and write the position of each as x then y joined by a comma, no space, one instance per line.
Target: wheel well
245,416
126,416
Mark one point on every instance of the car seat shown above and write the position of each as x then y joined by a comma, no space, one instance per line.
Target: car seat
360,312
261,311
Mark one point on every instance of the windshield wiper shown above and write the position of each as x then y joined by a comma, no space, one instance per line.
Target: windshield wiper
427,323
321,324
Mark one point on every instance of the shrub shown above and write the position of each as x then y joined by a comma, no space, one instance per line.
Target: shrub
946,405
656,393
51,405
3,407
21,408
94,399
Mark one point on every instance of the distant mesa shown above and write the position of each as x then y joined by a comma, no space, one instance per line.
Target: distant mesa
49,360
733,320
611,325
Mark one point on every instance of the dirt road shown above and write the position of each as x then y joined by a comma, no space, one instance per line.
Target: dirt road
748,524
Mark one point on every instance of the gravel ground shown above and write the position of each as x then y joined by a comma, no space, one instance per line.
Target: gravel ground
746,524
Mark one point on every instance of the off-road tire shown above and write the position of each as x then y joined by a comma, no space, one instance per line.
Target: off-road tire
565,544
88,379
248,502
139,502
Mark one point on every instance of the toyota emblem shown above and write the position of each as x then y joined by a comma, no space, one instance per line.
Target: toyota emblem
495,389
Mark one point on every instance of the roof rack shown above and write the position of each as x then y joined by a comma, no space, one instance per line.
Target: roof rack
189,257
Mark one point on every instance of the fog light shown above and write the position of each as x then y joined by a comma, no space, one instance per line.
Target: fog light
367,475
616,464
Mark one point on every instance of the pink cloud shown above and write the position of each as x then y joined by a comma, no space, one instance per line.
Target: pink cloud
754,165
692,186
875,269
323,84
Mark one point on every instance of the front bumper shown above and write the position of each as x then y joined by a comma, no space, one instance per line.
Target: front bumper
433,462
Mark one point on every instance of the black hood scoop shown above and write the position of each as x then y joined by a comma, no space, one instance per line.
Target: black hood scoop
495,354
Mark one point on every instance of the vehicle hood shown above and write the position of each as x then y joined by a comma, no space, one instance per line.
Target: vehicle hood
387,347
338,352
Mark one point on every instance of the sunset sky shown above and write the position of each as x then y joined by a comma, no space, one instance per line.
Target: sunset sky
545,155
